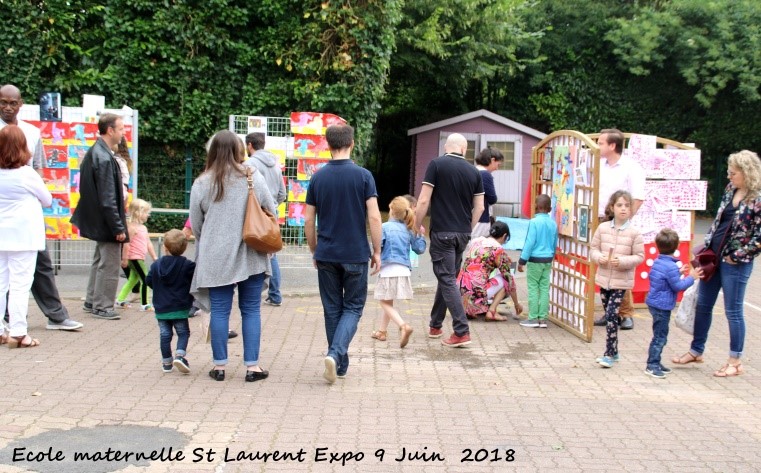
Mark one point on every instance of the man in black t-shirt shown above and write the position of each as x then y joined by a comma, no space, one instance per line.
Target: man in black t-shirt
453,189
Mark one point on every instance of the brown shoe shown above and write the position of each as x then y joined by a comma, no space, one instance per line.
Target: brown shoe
406,331
379,335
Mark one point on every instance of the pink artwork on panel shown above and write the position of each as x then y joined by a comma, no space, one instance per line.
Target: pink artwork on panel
661,196
650,223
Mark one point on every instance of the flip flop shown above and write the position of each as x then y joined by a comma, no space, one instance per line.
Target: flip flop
687,358
19,342
729,370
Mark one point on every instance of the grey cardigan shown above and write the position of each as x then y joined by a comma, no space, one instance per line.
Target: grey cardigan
222,256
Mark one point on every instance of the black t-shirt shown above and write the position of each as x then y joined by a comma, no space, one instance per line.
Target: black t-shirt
455,182
718,240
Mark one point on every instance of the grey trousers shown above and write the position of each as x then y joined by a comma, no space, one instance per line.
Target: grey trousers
104,275
446,257
45,291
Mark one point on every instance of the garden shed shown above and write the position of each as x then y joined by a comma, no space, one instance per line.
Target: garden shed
482,129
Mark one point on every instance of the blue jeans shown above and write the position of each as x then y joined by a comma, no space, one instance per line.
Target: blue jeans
343,290
182,328
273,286
732,279
249,303
660,336
446,258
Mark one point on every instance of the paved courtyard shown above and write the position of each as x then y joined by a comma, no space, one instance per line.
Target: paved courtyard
517,399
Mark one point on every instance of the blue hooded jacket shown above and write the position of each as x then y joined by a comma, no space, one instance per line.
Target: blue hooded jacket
665,283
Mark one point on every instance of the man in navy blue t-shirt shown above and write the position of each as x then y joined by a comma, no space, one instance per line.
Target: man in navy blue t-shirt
342,196
453,188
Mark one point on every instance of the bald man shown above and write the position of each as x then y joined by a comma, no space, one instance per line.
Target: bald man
453,189
44,288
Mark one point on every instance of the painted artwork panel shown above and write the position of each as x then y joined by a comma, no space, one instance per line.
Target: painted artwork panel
563,189
313,123
56,157
305,168
56,180
60,205
297,190
73,200
310,146
74,180
296,214
650,223
51,228
662,196
282,208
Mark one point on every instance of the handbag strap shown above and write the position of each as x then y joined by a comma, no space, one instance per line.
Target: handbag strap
250,178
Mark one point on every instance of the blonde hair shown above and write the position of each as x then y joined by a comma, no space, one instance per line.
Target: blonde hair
175,242
399,209
139,211
748,163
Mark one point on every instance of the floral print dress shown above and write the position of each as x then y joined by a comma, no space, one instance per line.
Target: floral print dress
484,261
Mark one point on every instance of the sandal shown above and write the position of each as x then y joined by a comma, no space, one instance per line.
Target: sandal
729,370
405,332
379,335
24,341
687,358
492,317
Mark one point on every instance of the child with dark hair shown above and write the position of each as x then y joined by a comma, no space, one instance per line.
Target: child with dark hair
170,278
665,283
538,253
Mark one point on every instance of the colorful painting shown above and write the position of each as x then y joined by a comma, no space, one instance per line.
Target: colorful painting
650,223
547,164
74,180
563,188
296,214
60,205
57,180
313,123
281,212
310,146
56,157
671,164
297,190
306,168
78,151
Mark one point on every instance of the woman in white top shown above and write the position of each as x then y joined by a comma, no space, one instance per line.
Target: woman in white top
22,233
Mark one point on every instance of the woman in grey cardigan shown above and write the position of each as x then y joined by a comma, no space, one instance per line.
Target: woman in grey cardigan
217,209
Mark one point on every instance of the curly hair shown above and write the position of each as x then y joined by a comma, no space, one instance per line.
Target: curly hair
748,163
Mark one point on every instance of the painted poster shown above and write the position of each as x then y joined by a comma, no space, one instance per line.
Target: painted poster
650,223
78,151
257,125
547,164
297,190
56,156
672,164
313,123
306,168
310,146
50,107
563,188
74,180
57,180
281,212
60,205
662,196
296,214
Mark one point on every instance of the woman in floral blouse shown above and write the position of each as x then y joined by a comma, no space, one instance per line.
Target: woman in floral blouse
735,237
485,275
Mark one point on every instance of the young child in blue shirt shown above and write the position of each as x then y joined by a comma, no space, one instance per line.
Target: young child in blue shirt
665,283
170,277
538,253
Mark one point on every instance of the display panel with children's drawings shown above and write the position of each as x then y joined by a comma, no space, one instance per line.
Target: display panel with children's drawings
565,166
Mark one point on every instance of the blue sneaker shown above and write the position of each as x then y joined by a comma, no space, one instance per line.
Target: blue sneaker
665,370
655,373
606,361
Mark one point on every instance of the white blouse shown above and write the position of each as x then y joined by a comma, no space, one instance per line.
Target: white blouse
22,196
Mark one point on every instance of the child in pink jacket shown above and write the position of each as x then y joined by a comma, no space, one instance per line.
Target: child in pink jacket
617,249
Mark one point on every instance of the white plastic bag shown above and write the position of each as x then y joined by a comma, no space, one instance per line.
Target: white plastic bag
685,314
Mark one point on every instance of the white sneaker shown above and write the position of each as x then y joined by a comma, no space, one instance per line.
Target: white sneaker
330,370
67,324
530,324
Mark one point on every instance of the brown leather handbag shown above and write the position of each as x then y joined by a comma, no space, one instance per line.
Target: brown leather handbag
261,231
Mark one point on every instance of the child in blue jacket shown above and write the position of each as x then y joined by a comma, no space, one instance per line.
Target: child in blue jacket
665,283
394,281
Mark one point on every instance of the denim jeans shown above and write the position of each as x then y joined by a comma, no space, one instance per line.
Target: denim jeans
273,286
343,290
660,336
249,303
182,328
446,258
611,301
732,279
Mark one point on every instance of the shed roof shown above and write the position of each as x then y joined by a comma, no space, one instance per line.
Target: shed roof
477,114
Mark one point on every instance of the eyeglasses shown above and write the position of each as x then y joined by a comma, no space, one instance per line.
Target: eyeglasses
13,103
731,173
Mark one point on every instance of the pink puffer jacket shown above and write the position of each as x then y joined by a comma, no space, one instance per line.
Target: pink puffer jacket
627,244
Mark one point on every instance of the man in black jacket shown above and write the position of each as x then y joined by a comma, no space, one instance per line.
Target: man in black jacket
100,216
